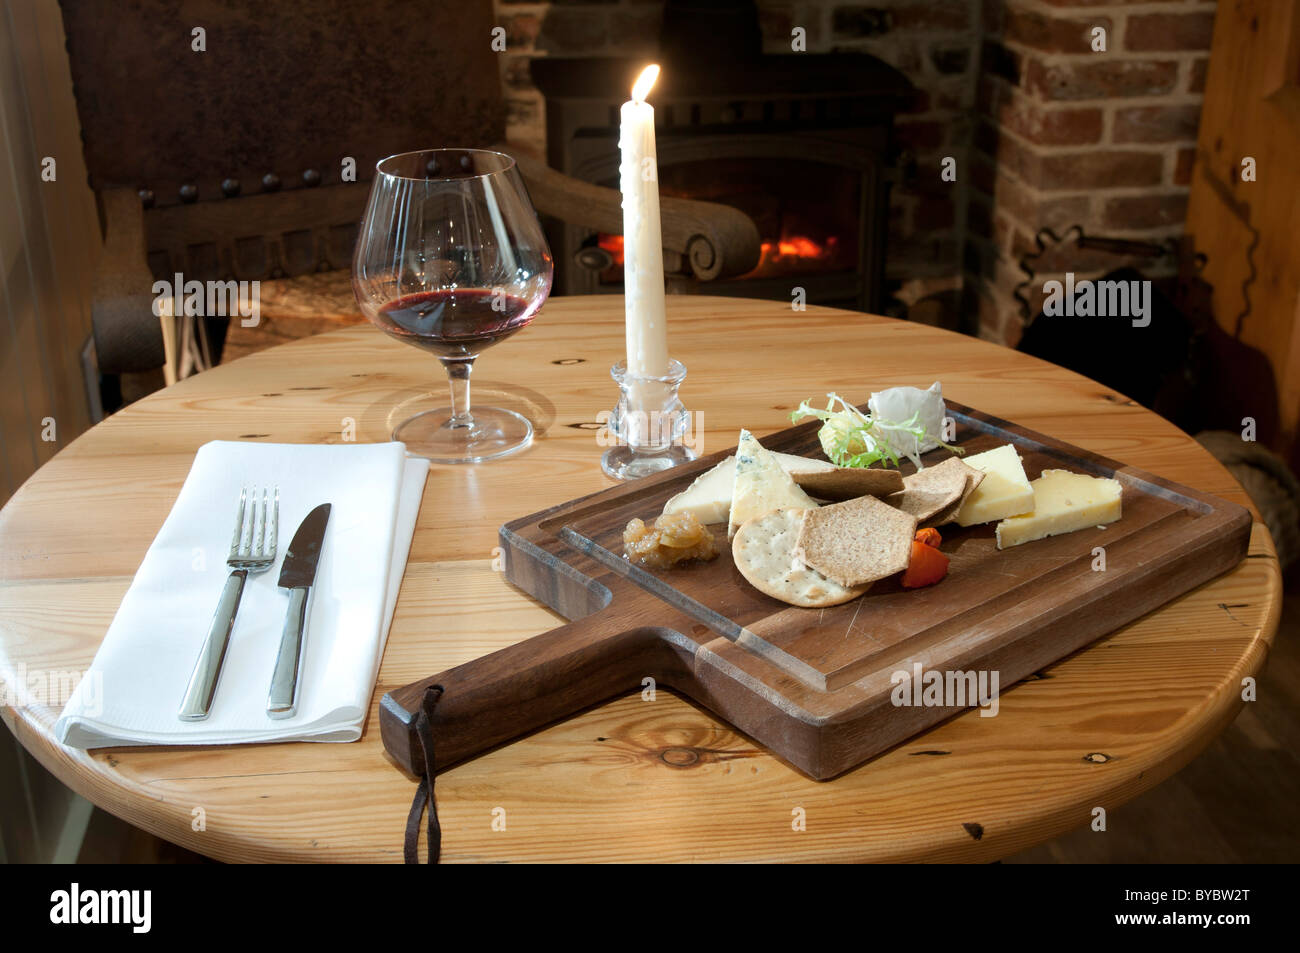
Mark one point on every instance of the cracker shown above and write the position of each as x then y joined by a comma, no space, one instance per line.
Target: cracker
845,483
929,492
858,541
764,552
949,513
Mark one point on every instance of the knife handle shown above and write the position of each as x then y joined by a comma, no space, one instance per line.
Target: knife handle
282,702
203,680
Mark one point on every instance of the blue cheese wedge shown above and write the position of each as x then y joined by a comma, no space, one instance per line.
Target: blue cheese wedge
1004,491
708,499
761,485
1063,502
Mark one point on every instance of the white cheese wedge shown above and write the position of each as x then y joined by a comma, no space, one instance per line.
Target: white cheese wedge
1004,491
761,485
1063,502
709,497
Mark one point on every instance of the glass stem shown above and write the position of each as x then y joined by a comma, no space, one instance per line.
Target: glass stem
458,371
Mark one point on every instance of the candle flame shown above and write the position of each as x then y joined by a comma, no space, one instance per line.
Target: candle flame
641,88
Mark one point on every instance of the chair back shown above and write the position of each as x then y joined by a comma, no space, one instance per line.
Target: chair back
242,138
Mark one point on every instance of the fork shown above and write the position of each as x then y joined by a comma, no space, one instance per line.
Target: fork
245,558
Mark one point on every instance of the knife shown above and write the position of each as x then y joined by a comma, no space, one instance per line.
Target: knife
297,574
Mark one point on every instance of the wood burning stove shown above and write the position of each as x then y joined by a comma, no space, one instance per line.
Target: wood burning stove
800,142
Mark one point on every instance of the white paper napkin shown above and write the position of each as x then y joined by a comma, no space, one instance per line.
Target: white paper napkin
132,692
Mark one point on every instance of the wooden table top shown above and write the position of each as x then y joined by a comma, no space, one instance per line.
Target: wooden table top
628,780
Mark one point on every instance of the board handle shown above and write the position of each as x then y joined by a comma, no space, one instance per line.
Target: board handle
526,686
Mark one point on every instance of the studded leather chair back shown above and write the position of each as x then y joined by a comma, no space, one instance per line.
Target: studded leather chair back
239,122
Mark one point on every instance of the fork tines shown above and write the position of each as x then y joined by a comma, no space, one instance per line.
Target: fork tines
252,521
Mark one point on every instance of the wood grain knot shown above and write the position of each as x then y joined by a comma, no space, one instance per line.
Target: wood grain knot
1116,399
680,757
1097,757
570,360
587,425
974,830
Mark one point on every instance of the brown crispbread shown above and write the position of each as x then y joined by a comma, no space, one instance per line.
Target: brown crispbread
933,490
845,483
858,541
764,553
949,513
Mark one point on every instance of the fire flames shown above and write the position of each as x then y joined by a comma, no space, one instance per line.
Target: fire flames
774,256
614,245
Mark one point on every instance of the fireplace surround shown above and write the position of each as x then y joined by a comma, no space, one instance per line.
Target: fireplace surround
801,142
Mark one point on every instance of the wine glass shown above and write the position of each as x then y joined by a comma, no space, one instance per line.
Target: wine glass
451,258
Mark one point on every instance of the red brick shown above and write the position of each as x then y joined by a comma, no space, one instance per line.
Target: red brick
860,22
1014,199
1183,166
1196,84
1058,214
1058,259
1004,228
921,255
1099,169
1019,160
573,31
1101,79
1034,211
1144,211
1169,31
1156,124
1052,34
1051,127
933,15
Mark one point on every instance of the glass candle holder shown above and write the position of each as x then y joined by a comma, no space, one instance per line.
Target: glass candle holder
649,424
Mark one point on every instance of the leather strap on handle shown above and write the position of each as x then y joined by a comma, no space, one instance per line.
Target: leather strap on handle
424,793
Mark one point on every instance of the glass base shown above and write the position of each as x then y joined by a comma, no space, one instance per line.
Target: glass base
494,433
624,463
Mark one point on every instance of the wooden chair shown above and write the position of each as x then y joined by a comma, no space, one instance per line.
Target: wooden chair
219,138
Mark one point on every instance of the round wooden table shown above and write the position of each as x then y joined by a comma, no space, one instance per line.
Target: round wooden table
630,781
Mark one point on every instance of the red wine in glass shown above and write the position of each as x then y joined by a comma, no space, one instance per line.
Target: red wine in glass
456,323
451,259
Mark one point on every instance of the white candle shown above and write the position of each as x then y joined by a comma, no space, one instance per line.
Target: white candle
643,257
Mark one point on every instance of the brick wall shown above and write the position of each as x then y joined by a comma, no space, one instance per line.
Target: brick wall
1066,135
1044,131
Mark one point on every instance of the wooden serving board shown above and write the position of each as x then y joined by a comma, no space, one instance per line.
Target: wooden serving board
813,685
